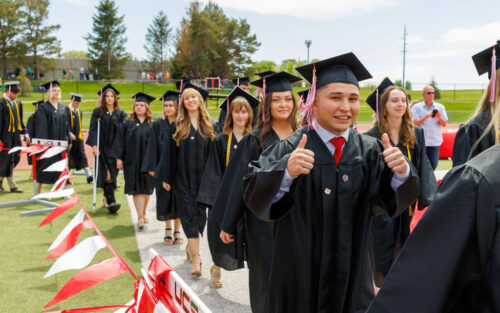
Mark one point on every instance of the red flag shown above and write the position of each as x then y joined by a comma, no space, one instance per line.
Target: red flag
60,209
89,277
147,302
69,241
32,149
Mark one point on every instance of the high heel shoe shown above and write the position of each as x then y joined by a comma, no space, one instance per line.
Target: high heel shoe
194,271
168,238
140,223
215,277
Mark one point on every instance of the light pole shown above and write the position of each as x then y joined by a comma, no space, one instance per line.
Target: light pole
308,44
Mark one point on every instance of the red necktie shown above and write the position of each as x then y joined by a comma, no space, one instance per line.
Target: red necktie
338,143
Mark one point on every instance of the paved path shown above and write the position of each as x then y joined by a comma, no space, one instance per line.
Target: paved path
233,297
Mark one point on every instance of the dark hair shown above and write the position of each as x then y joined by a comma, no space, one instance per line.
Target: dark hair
103,100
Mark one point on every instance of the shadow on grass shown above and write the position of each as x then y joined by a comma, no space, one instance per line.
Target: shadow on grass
42,269
133,256
53,287
119,231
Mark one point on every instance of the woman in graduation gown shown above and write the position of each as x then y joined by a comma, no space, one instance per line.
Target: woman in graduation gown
321,202
277,121
394,118
481,131
238,123
111,117
451,262
134,137
50,122
166,210
182,162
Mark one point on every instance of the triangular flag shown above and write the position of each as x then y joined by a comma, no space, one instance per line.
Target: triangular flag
52,152
70,240
77,257
95,309
33,149
58,166
60,182
55,194
89,277
60,209
146,302
77,219
15,149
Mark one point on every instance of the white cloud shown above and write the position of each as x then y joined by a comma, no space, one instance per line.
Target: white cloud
321,9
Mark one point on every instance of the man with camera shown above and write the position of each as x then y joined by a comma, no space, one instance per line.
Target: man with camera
431,116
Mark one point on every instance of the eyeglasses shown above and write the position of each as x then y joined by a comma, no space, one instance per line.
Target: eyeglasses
430,93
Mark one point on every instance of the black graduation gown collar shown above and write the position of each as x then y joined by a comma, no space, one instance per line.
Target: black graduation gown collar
324,156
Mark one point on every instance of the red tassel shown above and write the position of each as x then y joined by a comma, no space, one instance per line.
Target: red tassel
493,75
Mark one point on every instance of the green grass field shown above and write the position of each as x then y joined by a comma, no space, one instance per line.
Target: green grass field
459,104
24,249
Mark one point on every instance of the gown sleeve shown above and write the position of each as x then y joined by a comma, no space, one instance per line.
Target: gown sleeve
150,162
428,184
118,151
432,255
92,138
466,137
23,131
41,123
213,172
165,171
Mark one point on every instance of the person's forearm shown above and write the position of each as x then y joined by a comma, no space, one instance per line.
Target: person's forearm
420,121
442,121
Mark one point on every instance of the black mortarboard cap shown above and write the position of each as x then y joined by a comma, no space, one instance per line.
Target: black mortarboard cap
76,97
108,86
178,84
13,85
203,92
239,92
140,96
345,68
265,73
278,82
53,83
38,102
170,96
241,80
482,60
372,98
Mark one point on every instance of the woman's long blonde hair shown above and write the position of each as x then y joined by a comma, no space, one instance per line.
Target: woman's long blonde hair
492,109
267,125
236,105
149,115
406,132
183,124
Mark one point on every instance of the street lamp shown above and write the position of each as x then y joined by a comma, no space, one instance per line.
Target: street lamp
308,44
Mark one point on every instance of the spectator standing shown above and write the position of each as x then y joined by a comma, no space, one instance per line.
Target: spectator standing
87,74
431,117
96,73
82,73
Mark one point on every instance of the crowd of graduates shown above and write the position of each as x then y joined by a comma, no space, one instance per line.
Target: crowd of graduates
319,212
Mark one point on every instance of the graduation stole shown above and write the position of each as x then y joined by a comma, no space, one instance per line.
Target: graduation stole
12,127
80,136
228,149
409,159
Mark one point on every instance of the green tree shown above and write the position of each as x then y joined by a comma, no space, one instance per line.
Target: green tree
10,28
437,92
106,43
261,66
40,44
75,54
211,44
407,84
157,41
289,66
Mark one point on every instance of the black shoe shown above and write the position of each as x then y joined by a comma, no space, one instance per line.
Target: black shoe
1,186
113,208
90,179
16,190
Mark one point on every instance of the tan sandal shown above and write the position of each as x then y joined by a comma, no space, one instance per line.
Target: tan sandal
195,272
215,276
177,238
140,223
168,238
146,220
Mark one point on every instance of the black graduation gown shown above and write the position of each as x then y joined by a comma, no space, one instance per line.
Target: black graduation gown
50,123
320,234
8,137
467,136
228,256
229,209
110,128
165,200
77,157
182,167
391,233
451,262
130,147
30,131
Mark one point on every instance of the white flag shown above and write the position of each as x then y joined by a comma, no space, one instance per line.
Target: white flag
55,194
58,182
58,166
77,219
160,308
77,257
15,149
52,151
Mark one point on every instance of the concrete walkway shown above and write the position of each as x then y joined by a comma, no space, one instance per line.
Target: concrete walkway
233,297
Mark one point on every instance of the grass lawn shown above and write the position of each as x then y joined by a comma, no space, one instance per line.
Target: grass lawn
24,248
459,104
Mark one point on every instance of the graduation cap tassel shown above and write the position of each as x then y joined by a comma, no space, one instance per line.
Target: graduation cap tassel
163,107
376,106
50,91
306,110
256,93
493,75
181,87
238,83
263,96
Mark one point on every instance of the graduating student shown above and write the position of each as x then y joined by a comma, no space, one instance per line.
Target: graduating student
394,118
51,122
166,210
451,262
77,157
134,137
276,121
11,128
318,186
238,123
111,117
182,163
481,131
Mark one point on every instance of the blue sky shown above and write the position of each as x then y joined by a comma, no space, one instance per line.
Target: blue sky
442,35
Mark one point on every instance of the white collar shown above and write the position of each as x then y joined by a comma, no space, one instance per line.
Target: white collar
325,135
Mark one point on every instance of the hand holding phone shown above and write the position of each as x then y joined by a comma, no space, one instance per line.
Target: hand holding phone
434,112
